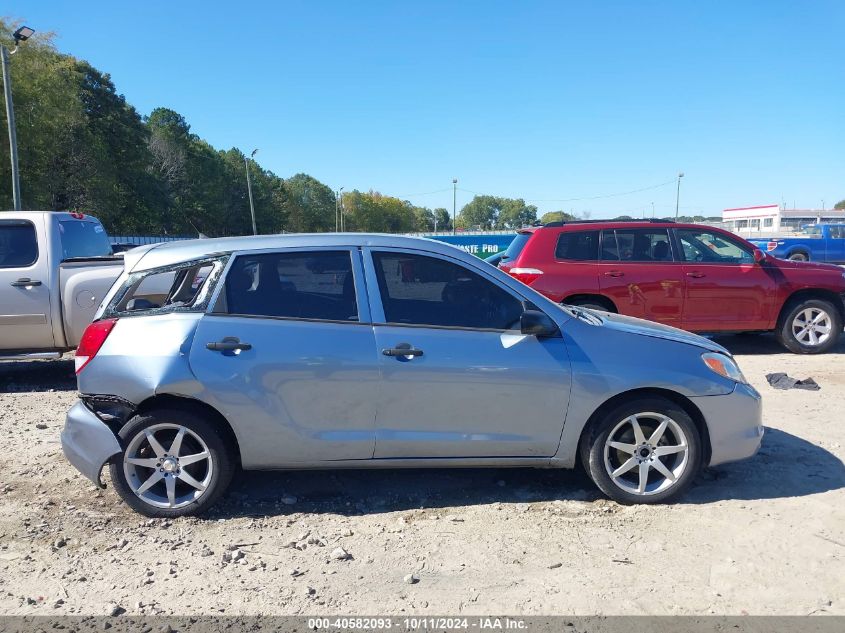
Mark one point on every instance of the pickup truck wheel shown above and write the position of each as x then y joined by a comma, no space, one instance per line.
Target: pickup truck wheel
644,451
799,257
811,326
174,463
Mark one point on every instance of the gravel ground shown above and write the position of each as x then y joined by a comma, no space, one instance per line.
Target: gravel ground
764,536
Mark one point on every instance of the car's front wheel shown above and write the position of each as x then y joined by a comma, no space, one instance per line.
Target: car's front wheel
811,326
174,463
644,451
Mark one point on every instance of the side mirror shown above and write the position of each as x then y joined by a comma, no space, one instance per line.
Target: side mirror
539,324
759,256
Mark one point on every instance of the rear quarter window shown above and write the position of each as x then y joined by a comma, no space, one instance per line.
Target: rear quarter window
180,288
579,246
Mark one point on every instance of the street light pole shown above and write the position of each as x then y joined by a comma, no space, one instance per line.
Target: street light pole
20,35
678,194
454,203
249,188
337,208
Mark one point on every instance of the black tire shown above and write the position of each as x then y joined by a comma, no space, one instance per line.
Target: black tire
788,337
221,464
684,467
799,257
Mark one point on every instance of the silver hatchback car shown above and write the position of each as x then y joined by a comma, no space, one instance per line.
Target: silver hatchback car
378,351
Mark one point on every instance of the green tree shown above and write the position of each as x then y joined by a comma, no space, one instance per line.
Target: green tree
444,219
556,216
839,205
492,212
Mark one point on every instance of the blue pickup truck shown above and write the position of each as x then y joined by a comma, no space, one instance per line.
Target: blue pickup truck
816,242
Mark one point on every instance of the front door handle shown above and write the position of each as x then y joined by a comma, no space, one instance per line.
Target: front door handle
614,273
25,282
228,344
696,274
402,349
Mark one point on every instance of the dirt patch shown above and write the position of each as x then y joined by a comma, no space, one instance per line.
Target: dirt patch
764,536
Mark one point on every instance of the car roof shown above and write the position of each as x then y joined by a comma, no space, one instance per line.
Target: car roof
169,253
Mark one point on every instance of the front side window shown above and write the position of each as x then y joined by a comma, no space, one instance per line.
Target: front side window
712,247
18,244
579,246
636,245
298,285
421,290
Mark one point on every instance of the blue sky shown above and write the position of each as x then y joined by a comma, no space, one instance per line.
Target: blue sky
547,101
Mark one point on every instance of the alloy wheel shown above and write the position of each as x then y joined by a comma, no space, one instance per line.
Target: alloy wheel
646,453
812,327
168,465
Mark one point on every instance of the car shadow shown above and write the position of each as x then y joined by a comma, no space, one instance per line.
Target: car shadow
37,375
785,466
752,344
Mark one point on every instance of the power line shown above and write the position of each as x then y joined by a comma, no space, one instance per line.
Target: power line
425,193
609,195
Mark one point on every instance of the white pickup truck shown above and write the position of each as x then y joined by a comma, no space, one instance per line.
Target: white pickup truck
55,268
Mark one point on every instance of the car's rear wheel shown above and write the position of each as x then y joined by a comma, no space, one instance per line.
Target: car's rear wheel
592,304
174,463
644,451
811,326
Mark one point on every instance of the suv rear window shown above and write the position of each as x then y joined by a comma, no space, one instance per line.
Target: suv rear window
515,247
579,246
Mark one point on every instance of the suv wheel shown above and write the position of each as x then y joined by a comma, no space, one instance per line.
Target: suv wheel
173,463
645,451
811,326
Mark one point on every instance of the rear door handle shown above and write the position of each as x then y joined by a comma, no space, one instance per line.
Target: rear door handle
696,274
228,344
614,273
24,282
402,349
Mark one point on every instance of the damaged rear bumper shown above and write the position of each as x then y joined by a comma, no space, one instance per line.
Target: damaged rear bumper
87,442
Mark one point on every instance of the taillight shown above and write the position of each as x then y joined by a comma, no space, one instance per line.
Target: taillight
525,275
92,340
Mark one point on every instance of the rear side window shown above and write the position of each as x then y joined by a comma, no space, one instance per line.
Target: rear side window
636,245
579,246
300,285
18,244
181,288
81,238
421,290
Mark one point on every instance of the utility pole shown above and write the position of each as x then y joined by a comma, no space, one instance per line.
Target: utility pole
337,198
21,35
454,204
249,188
678,194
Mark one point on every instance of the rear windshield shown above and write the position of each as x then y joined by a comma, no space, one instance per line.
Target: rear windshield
515,247
83,238
181,288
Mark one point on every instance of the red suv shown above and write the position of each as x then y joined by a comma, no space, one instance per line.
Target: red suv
691,276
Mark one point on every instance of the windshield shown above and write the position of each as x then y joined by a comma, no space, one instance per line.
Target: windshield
82,238
515,247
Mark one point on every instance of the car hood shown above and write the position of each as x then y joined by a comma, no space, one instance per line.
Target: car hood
642,327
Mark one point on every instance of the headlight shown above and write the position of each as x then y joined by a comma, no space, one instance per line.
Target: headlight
724,366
